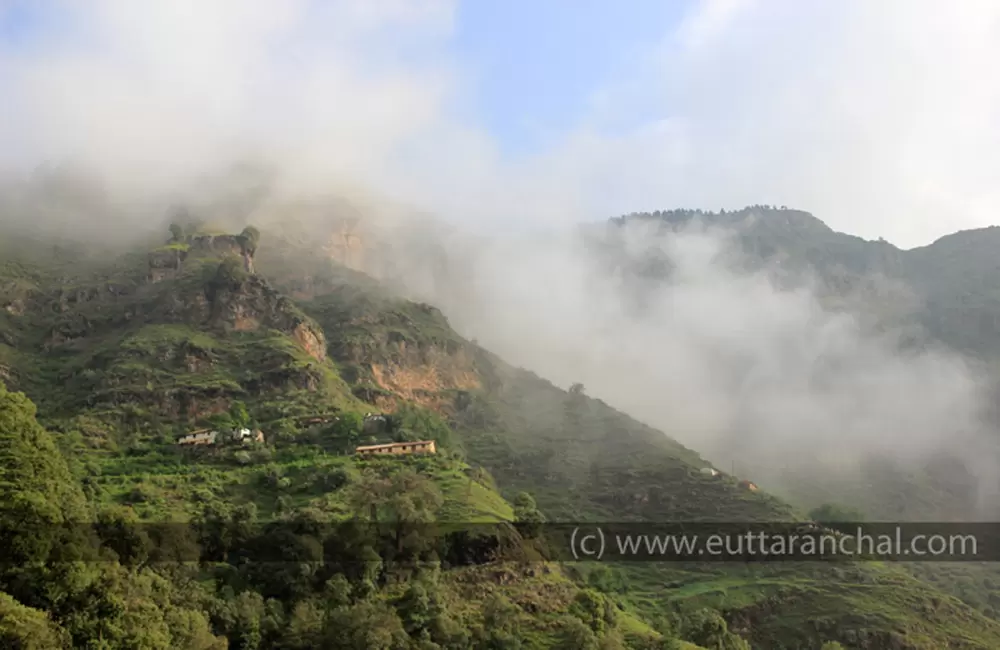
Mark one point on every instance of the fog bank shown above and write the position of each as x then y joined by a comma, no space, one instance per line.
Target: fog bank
721,359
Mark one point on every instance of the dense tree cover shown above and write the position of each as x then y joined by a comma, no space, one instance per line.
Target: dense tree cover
289,585
26,628
57,593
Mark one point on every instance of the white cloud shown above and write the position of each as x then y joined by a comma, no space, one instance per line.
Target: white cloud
881,118
152,93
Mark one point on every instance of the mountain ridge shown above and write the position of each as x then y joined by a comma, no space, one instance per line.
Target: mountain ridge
223,335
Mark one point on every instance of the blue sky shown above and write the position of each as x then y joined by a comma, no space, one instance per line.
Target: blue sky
17,22
536,63
532,65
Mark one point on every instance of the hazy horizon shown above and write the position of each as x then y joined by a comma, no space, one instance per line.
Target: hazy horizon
493,116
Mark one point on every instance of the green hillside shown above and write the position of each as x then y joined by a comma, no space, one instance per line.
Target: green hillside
124,354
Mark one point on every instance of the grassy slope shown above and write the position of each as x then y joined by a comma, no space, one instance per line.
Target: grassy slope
580,458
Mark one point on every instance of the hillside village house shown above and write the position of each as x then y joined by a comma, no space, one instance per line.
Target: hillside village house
246,435
396,448
208,437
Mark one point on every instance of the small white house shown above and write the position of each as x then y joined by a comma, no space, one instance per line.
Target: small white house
709,471
246,435
208,437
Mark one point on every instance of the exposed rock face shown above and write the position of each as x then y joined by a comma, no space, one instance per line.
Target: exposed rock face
252,304
311,339
422,375
346,245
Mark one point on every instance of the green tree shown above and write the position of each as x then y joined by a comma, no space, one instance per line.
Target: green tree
337,592
250,239
304,629
414,608
347,428
176,232
39,501
118,529
229,276
222,422
25,628
526,512
422,424
574,634
594,609
248,610
831,645
239,415
402,503
707,628
607,580
501,628
365,626
524,502
335,478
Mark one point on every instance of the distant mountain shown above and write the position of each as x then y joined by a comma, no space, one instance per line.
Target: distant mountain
950,288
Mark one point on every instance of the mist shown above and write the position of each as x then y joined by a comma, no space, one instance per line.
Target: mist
756,376
839,108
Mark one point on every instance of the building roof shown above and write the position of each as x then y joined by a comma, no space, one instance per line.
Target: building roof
395,444
199,434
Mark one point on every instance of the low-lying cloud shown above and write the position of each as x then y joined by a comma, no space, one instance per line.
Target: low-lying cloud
723,360
881,118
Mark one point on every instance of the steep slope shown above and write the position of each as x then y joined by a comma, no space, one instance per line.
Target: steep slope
121,360
135,351
582,460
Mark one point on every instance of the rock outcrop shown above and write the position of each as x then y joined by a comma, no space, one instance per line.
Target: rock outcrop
346,245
